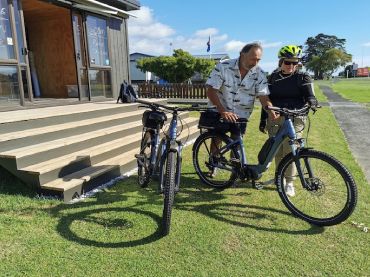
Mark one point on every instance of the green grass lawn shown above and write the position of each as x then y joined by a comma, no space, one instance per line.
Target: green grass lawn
354,89
236,232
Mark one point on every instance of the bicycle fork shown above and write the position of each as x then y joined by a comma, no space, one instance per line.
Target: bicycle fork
293,141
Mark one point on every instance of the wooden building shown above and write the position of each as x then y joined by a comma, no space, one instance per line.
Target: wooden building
63,49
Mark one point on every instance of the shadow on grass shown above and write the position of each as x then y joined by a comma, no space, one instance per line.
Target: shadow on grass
243,215
120,218
123,224
11,185
88,222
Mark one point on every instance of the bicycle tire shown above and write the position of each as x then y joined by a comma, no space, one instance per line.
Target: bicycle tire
145,153
160,165
331,196
169,192
217,172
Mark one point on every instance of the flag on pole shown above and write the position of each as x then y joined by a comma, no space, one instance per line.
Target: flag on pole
209,44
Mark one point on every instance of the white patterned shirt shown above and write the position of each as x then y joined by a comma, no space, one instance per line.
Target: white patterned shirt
238,95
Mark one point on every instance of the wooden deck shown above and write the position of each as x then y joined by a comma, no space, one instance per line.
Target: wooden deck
67,150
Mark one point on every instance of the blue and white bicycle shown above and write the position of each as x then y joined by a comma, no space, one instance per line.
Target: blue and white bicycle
325,191
161,158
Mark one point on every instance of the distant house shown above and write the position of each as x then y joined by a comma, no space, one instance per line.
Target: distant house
138,76
63,49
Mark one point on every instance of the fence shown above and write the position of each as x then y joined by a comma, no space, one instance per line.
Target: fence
193,91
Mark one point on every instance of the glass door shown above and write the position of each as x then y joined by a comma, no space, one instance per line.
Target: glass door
98,53
14,69
22,50
80,52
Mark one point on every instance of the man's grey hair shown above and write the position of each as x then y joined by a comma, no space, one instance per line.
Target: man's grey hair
249,46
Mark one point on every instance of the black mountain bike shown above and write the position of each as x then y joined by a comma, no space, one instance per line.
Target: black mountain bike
161,158
325,191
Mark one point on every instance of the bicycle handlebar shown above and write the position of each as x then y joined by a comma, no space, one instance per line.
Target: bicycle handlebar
296,112
156,106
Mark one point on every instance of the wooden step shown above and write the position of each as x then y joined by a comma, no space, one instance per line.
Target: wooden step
51,149
58,167
73,185
68,125
60,111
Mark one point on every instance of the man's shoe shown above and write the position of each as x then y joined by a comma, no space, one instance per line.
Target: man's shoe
289,189
212,173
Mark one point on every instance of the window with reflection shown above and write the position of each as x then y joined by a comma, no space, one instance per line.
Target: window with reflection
97,39
100,83
18,27
9,86
6,37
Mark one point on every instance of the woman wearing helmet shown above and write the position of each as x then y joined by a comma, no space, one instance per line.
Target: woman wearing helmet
290,89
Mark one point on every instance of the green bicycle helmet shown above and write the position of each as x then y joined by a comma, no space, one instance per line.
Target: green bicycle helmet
290,52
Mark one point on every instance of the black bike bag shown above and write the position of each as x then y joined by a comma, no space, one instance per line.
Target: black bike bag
154,119
211,120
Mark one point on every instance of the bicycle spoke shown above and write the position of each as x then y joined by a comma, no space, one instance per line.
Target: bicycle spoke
329,193
213,168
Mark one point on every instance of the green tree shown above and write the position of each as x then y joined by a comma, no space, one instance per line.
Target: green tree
176,68
324,54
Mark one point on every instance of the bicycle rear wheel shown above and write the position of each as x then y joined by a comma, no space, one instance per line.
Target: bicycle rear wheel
215,169
143,166
330,194
169,192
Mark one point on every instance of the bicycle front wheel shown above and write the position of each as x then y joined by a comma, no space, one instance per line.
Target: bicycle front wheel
169,191
329,194
213,168
143,164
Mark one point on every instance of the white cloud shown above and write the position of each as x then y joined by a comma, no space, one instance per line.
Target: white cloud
362,61
234,46
146,26
149,36
237,45
206,32
367,44
272,44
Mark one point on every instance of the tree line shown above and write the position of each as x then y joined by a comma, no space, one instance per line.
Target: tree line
323,55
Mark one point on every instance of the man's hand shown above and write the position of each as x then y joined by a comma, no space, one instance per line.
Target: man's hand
229,116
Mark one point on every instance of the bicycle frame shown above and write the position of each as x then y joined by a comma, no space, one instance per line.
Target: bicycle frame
170,144
160,148
287,130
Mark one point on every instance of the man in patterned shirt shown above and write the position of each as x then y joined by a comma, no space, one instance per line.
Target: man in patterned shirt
234,84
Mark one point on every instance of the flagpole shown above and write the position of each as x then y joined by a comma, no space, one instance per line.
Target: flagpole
209,47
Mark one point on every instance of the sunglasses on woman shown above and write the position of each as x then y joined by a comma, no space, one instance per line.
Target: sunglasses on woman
289,63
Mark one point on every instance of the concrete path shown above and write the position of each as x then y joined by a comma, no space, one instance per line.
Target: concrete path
354,120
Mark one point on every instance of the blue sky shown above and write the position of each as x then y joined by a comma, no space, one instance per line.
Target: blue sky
164,25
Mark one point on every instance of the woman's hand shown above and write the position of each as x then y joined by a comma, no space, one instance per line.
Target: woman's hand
273,115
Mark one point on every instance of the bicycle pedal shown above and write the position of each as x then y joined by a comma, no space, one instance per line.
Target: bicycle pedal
234,160
139,156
